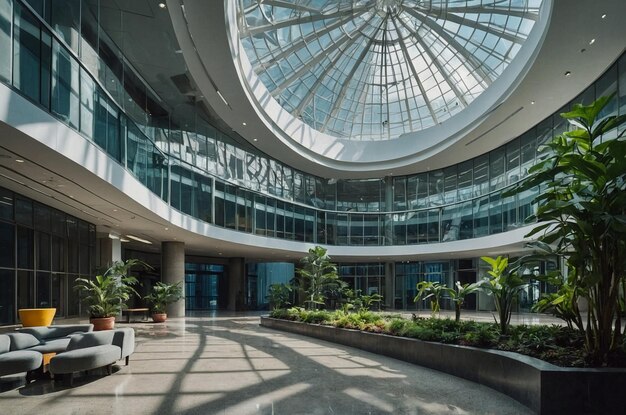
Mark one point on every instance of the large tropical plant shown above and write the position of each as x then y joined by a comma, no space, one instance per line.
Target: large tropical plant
163,294
504,285
107,293
279,295
317,275
582,211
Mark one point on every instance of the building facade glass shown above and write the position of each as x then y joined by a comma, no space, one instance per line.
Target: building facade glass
43,252
200,171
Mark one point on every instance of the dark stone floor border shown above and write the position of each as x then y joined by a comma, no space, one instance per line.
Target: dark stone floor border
541,386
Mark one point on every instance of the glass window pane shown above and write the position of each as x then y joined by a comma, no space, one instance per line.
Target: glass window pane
65,20
25,289
7,296
65,85
5,42
26,53
7,242
6,204
25,248
43,290
43,251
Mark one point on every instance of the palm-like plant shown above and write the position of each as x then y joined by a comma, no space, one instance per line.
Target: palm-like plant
433,291
504,285
107,293
317,275
458,295
163,294
582,210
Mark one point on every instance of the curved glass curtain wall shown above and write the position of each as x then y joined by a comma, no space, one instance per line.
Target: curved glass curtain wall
202,173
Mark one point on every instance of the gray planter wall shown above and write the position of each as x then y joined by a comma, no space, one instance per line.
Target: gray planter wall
541,386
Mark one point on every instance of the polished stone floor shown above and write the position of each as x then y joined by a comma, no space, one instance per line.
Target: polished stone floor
228,364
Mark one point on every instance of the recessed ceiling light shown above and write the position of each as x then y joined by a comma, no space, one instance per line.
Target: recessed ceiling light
256,139
244,124
19,161
219,253
71,197
568,74
162,5
592,41
114,210
167,229
222,97
532,102
138,239
604,15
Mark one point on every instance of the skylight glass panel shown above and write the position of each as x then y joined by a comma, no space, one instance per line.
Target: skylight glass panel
378,69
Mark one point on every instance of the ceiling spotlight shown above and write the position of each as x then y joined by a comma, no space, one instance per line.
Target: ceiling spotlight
255,139
162,5
167,229
604,15
244,124
568,74
592,41
19,161
532,102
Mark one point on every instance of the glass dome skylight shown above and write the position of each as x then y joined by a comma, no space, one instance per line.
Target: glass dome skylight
377,69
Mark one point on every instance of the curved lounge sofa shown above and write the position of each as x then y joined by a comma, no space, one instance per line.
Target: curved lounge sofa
13,360
77,349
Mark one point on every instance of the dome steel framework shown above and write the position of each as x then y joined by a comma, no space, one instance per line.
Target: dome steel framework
378,69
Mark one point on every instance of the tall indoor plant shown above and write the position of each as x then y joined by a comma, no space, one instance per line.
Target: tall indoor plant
161,295
317,275
107,293
582,215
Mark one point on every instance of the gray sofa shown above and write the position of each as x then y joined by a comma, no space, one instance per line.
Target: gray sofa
87,351
54,339
13,360
78,349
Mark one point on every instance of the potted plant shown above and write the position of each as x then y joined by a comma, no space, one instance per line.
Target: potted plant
107,293
161,295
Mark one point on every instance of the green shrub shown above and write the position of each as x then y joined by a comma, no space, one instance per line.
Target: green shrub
559,345
397,326
280,313
316,316
484,336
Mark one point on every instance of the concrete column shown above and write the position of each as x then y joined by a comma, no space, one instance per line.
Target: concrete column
173,271
110,251
236,284
390,284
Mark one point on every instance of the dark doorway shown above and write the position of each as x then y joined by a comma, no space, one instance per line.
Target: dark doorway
202,287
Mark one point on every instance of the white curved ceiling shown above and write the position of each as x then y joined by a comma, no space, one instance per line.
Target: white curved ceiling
204,30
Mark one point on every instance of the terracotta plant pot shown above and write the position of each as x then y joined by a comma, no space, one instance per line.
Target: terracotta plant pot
104,323
159,317
35,317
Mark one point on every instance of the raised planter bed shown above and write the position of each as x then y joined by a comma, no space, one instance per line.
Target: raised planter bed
541,386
